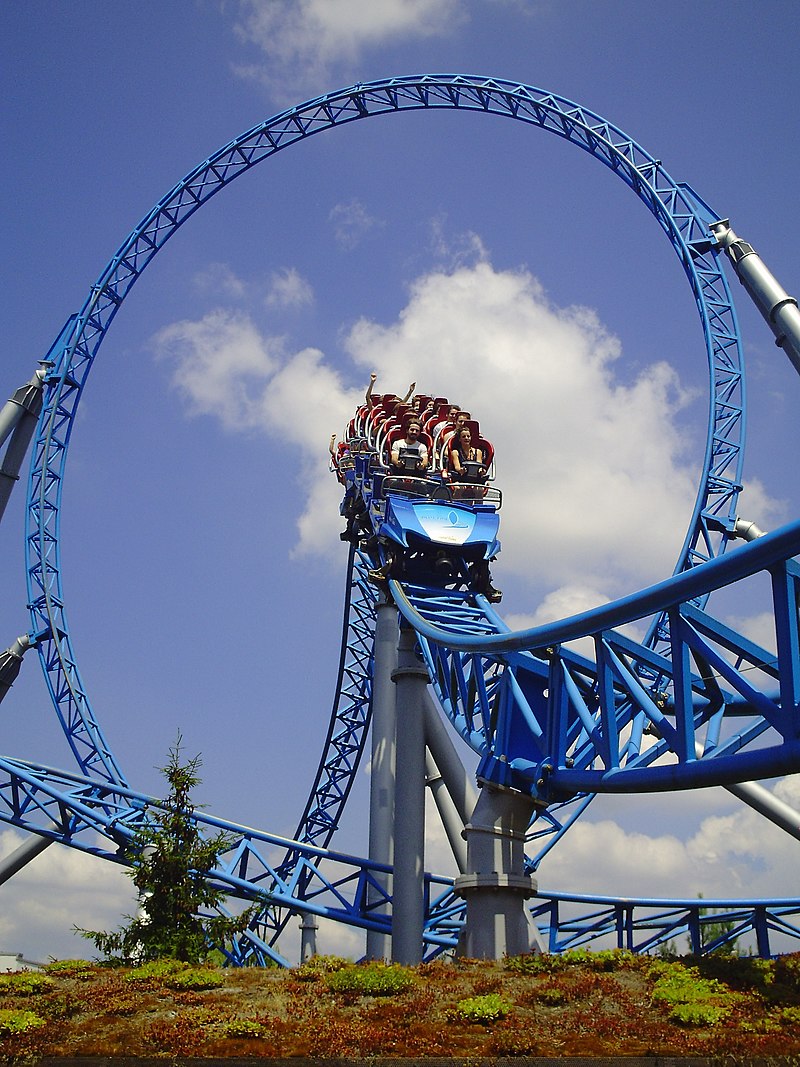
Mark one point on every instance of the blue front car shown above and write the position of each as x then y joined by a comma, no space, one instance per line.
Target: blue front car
413,522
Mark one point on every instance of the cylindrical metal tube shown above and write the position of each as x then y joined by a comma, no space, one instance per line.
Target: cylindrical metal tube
408,896
383,731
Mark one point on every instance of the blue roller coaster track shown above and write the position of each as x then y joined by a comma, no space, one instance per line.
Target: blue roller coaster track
693,704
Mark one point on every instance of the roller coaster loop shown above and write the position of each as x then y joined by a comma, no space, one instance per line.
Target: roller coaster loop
692,704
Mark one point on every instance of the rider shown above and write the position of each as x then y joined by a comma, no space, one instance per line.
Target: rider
368,395
467,463
406,448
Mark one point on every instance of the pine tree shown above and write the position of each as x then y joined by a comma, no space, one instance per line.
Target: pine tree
174,893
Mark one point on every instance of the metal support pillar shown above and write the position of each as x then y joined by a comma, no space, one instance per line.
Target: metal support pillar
452,823
10,663
776,306
17,423
383,731
459,785
308,937
408,897
451,787
23,855
496,886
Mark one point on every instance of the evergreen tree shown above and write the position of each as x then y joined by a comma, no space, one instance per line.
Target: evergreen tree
173,891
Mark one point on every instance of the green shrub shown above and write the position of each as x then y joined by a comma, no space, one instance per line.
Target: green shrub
318,966
683,985
552,995
486,1009
24,984
371,980
156,970
13,1021
243,1028
787,970
60,1006
535,963
698,1014
195,978
80,969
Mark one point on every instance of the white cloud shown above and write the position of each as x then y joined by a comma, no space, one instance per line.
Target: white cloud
597,487
60,889
736,855
219,279
218,362
304,40
351,223
288,289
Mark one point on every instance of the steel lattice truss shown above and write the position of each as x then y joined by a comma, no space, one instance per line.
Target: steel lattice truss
541,716
553,723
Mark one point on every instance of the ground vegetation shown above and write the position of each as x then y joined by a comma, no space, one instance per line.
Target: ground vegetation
736,1010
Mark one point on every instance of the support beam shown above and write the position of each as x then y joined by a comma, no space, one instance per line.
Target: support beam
408,897
11,662
459,784
382,773
22,856
451,821
308,936
779,310
17,423
496,886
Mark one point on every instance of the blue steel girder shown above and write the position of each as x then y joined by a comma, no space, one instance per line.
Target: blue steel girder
556,724
680,213
102,820
351,711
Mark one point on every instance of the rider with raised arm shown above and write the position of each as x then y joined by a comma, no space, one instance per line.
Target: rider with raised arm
368,395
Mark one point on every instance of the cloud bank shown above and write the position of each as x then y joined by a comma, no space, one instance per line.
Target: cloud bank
597,481
305,41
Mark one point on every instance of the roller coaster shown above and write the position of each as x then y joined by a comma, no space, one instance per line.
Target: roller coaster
692,704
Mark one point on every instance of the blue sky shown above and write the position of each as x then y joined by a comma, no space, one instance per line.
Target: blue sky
500,266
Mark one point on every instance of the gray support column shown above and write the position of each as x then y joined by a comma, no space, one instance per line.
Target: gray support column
459,784
383,730
10,663
308,936
451,821
496,887
17,423
408,901
776,306
23,855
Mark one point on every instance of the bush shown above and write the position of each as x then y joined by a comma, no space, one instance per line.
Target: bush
13,1021
552,995
371,980
81,969
486,1009
698,1014
787,970
24,984
156,970
679,985
195,978
535,963
243,1028
318,966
